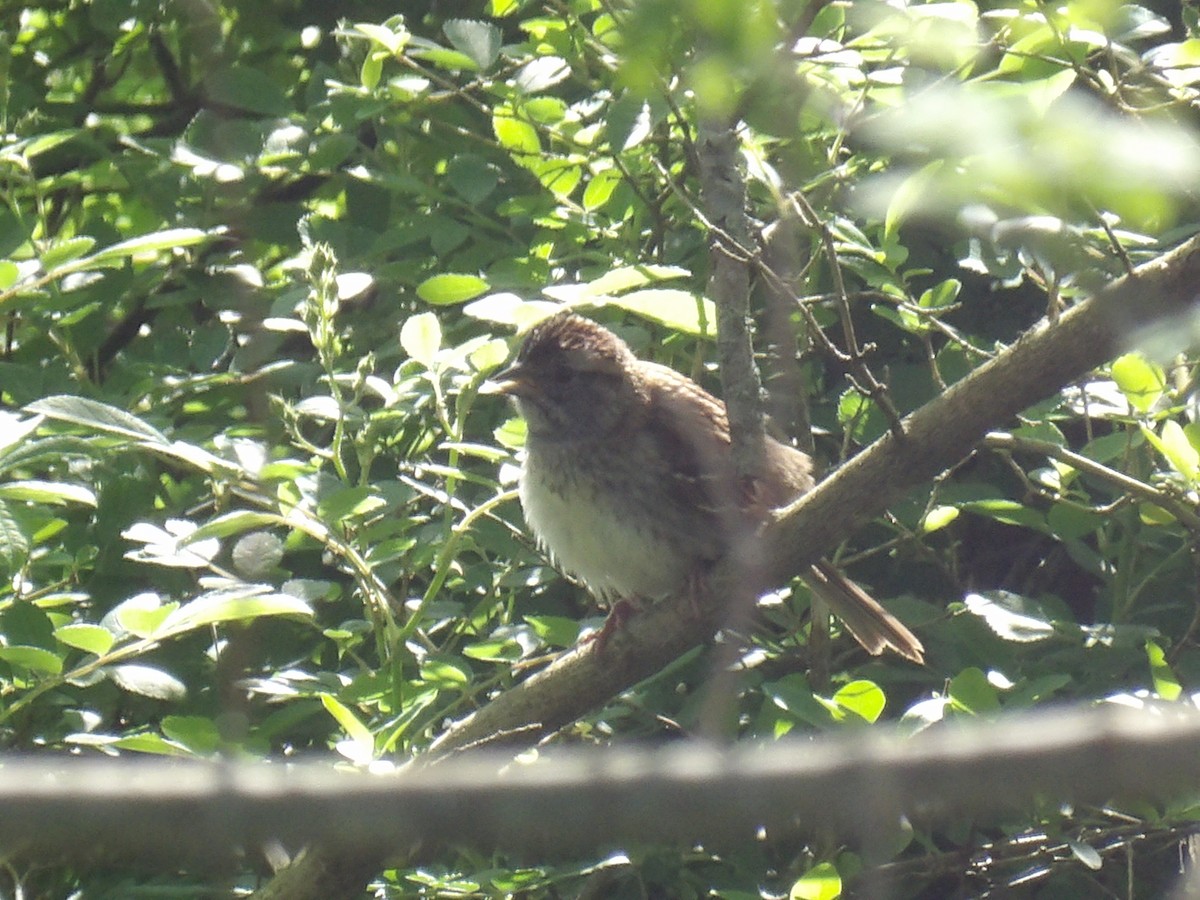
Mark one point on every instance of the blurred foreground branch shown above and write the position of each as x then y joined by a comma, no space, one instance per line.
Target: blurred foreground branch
856,783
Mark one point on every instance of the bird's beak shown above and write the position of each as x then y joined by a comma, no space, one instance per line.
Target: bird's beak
513,381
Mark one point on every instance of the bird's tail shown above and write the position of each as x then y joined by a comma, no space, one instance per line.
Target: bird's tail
872,625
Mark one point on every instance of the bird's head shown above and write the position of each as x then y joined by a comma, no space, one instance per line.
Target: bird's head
572,380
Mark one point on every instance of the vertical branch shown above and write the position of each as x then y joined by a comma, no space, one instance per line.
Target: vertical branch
724,197
787,399
723,194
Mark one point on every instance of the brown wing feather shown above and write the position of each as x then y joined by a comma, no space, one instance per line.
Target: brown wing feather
690,429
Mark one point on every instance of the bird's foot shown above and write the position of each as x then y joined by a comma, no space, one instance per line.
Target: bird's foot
619,614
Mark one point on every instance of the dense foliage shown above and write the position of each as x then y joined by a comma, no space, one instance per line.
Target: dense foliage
256,261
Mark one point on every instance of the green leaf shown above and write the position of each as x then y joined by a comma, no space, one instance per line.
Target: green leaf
1086,854
197,733
1011,616
421,338
446,672
911,197
614,281
448,289
557,631
66,250
96,415
348,720
492,651
22,622
170,239
600,189
793,695
515,134
938,517
1070,522
972,692
147,681
89,638
232,523
47,492
511,434
557,175
541,73
1166,684
141,614
1176,449
33,658
445,58
478,40
1152,514
231,605
472,176
147,743
1140,380
393,40
676,309
942,294
1010,512
248,89
821,882
9,273
371,70
14,542
860,415
863,698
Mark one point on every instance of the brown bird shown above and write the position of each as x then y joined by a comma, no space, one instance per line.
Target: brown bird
629,481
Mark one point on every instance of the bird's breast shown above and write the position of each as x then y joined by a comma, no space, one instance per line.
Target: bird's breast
602,526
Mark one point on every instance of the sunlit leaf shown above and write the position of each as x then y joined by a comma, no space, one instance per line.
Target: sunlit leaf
971,691
1166,683
938,517
91,638
421,338
1174,445
47,492
448,289
348,720
140,615
542,73
197,733
478,40
35,659
148,681
515,134
1140,380
231,605
170,239
864,698
676,309
96,415
1013,617
821,882
66,250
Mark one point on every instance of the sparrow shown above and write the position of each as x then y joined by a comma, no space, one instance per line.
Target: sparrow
628,479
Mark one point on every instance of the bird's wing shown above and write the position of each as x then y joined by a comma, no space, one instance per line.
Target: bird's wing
690,428
703,424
